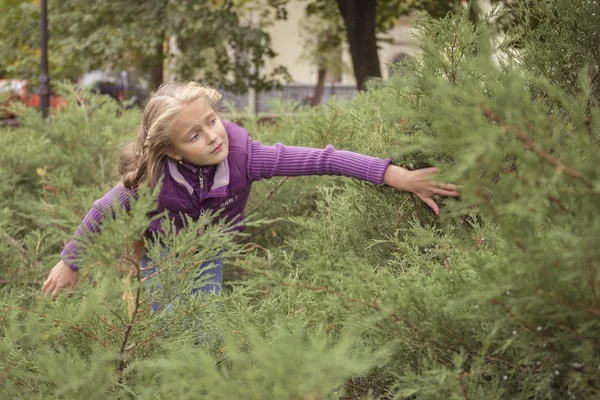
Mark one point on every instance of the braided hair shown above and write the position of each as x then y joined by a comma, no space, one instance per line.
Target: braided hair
141,161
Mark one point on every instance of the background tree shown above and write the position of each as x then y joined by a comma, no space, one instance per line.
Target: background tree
134,34
322,40
367,21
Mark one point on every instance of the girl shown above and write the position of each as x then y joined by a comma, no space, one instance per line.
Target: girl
209,164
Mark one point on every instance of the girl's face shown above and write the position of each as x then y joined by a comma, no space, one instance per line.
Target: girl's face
198,135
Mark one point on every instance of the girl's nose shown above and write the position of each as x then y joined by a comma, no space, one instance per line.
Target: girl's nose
210,137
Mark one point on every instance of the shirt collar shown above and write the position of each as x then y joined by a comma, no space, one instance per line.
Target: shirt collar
220,180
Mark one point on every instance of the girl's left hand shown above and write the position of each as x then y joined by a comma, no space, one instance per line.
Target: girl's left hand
420,183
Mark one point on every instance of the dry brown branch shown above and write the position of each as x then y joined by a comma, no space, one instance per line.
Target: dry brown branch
90,335
256,246
109,325
123,361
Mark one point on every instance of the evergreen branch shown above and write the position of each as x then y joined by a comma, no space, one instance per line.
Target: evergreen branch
530,143
394,332
551,198
90,335
266,226
496,359
592,281
336,114
567,328
59,322
15,243
163,260
6,370
399,210
452,76
559,204
269,195
488,202
388,330
256,246
147,339
155,334
462,383
30,283
373,306
520,244
114,313
109,325
533,331
566,302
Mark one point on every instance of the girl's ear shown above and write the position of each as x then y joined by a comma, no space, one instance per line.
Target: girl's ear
174,155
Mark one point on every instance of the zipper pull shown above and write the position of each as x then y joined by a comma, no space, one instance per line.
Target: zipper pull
201,177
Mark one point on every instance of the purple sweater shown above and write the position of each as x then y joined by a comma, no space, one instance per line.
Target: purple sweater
263,162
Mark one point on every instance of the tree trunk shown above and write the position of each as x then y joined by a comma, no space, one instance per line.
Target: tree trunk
156,68
475,12
316,99
359,19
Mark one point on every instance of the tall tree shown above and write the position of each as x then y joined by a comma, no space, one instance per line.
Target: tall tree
322,40
366,21
359,19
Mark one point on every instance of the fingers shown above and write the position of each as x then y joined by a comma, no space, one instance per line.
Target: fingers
55,293
431,203
57,288
447,186
447,193
429,171
50,287
71,289
46,284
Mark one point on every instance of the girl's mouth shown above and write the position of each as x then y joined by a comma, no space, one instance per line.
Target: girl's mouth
219,147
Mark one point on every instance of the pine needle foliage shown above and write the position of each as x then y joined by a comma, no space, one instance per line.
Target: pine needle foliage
348,291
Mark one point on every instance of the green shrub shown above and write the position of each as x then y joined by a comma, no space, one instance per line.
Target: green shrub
358,291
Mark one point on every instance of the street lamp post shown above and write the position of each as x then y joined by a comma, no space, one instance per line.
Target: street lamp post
44,77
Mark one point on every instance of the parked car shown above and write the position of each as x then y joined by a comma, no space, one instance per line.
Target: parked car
125,87
18,90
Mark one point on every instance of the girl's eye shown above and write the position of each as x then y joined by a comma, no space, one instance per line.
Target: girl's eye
194,137
212,122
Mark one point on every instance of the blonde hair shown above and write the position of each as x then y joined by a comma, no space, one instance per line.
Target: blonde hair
142,160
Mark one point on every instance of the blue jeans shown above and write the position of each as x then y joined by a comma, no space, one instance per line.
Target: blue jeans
213,277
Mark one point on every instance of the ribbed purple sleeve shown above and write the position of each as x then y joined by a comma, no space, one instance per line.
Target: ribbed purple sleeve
279,160
92,221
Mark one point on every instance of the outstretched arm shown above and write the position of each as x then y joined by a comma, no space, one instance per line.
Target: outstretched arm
279,160
65,273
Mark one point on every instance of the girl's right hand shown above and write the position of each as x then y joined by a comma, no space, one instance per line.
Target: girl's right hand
59,278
